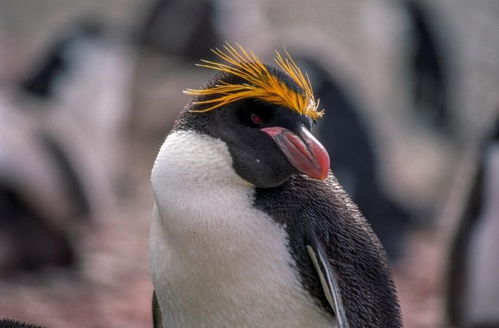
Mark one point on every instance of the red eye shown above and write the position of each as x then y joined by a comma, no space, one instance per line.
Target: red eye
256,119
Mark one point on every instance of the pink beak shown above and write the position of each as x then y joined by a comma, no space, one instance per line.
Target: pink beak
304,152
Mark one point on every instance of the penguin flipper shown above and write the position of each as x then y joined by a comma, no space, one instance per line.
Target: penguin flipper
157,317
327,278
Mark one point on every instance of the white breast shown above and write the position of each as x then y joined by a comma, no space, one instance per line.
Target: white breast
216,261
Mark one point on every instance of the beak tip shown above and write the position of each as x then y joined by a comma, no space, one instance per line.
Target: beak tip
322,174
323,162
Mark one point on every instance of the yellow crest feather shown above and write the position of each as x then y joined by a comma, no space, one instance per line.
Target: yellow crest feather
260,83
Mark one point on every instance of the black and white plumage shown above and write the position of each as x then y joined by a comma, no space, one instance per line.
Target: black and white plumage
472,293
58,62
59,148
250,229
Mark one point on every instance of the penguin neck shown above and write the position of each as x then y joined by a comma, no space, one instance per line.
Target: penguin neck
193,171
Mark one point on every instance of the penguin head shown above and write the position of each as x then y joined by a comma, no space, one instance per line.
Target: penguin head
263,114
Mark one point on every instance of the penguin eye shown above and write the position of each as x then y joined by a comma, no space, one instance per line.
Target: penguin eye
255,114
256,118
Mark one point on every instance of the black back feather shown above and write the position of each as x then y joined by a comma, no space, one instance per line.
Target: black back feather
364,278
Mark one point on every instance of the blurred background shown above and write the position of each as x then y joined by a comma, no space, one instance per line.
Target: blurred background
89,90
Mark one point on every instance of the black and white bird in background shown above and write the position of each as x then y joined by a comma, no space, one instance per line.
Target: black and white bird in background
199,30
427,67
250,227
59,62
473,280
59,146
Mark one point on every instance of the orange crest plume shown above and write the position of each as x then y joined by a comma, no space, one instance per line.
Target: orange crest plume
260,83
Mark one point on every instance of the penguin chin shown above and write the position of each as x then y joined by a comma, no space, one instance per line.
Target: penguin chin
271,183
264,176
